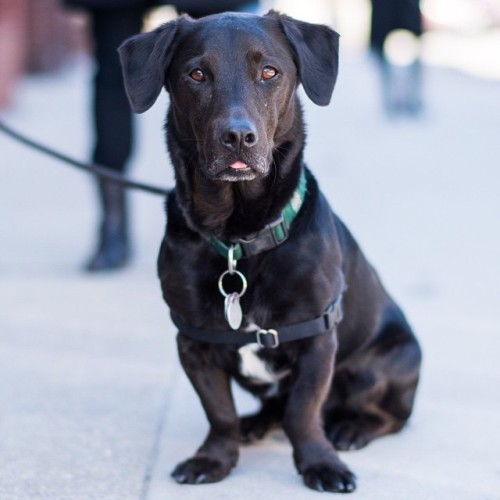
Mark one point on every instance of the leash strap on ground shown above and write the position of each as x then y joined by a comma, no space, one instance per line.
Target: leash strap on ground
99,170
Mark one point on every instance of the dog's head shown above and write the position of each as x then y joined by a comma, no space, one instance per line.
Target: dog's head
232,81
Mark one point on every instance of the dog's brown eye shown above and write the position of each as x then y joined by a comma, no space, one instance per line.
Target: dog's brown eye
197,75
269,72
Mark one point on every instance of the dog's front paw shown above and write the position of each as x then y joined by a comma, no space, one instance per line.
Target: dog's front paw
325,477
199,470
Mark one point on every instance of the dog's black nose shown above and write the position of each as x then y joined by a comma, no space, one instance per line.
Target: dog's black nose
239,135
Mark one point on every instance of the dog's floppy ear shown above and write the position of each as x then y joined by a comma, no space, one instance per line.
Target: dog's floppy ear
145,59
316,49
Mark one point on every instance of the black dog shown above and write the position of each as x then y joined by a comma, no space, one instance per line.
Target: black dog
235,135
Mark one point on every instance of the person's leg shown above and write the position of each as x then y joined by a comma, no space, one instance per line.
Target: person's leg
397,25
113,126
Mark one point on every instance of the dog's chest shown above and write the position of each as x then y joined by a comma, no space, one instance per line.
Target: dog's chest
259,371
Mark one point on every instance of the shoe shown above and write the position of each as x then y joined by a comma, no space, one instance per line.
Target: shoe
113,250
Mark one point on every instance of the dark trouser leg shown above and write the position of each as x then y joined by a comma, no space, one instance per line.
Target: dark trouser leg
112,250
113,126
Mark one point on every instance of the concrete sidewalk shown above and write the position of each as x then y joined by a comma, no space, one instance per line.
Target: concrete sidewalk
93,404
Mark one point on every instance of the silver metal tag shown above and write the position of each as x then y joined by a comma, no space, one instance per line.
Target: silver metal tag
232,310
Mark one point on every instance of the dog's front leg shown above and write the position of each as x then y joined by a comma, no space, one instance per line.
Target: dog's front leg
219,452
314,455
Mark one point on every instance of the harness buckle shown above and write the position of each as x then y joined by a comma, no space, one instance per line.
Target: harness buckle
268,338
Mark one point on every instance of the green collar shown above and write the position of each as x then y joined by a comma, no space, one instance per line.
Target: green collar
272,235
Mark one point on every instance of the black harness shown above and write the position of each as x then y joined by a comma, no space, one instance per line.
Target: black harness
270,338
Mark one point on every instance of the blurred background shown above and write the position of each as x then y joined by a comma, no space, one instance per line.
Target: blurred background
42,36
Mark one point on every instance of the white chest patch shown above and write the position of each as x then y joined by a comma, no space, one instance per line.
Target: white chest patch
255,368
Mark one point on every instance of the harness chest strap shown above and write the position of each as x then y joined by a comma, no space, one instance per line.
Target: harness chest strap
270,338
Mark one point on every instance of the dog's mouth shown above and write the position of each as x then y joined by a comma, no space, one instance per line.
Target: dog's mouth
230,175
238,165
237,168
238,171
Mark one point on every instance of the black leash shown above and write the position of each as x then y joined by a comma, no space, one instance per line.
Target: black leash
95,169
